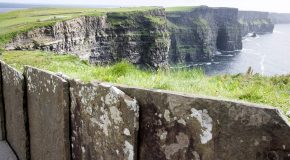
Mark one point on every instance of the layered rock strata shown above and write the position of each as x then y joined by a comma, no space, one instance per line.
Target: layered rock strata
197,34
139,37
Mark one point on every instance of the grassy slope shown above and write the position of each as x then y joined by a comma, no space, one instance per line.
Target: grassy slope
265,90
19,21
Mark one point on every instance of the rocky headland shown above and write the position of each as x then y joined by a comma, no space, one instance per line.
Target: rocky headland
255,22
197,34
280,18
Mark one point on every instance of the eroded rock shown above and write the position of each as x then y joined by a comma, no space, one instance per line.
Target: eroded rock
104,122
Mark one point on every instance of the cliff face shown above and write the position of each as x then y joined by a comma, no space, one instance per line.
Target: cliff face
139,37
197,34
148,38
257,22
280,18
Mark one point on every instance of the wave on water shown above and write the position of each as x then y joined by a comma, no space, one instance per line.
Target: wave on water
225,55
247,50
262,64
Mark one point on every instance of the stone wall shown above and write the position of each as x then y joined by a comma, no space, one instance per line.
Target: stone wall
108,121
178,126
104,122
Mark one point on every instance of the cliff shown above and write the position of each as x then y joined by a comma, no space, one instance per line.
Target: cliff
280,18
196,34
255,22
145,37
140,37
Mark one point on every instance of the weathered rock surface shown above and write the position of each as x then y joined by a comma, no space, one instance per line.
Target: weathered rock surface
48,111
2,115
15,111
255,22
104,122
5,152
139,37
175,126
197,34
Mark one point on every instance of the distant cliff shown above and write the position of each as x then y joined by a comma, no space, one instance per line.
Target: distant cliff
280,18
140,37
257,22
152,37
198,33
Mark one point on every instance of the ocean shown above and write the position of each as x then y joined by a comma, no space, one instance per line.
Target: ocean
267,54
3,10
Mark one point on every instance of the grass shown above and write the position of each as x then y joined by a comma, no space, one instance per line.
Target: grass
156,20
19,21
274,91
180,9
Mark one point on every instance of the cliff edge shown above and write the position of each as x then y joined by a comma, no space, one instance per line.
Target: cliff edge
139,37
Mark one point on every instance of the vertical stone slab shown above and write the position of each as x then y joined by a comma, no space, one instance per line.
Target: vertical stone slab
48,111
15,111
104,123
2,115
175,126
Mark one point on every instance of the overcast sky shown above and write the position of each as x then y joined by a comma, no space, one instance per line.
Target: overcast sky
261,5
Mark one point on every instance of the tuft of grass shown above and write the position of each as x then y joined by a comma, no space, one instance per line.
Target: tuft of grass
274,91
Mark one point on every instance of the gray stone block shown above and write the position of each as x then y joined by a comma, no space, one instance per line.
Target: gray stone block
15,111
180,127
2,115
6,152
104,123
48,111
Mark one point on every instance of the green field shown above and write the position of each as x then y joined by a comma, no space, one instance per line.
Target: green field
253,88
19,21
179,9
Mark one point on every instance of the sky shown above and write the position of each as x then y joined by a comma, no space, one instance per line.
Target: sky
258,5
